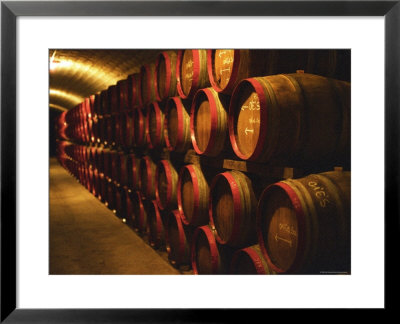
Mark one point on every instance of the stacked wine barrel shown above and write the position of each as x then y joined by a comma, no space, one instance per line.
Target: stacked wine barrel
229,161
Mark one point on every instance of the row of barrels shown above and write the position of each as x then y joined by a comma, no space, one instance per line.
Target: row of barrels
219,221
293,120
183,72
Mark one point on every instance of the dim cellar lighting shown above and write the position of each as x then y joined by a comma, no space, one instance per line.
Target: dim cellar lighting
58,107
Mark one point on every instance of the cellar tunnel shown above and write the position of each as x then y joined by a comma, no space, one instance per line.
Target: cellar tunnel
200,161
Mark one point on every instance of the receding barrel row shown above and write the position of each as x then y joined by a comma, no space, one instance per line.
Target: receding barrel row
292,120
227,67
303,225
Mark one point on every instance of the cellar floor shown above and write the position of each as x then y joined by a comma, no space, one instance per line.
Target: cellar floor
87,238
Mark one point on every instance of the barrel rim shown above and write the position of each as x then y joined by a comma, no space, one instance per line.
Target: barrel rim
145,70
134,81
196,73
139,120
139,221
166,165
122,85
213,122
179,135
157,110
158,240
213,248
132,163
128,134
252,255
196,193
181,249
149,174
168,76
263,120
237,206
235,70
292,195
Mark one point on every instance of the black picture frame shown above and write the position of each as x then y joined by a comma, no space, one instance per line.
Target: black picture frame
10,10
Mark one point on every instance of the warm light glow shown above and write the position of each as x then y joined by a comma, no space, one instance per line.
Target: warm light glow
104,76
66,96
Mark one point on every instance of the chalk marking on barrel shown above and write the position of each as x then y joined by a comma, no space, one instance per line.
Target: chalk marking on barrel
221,53
282,239
253,105
254,120
248,130
189,64
227,60
223,70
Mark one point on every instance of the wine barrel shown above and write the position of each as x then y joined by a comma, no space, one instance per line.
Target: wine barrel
119,201
122,92
139,210
209,122
293,120
166,185
129,210
193,195
304,224
98,159
110,130
178,238
148,91
250,261
148,177
92,155
106,158
97,104
115,166
227,67
139,127
127,129
232,209
207,256
112,98
102,130
103,188
133,171
90,106
96,130
165,79
104,102
110,196
177,125
117,119
191,72
90,180
94,182
155,124
123,169
134,91
155,227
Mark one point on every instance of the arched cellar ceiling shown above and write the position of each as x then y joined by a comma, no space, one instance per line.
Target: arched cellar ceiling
78,73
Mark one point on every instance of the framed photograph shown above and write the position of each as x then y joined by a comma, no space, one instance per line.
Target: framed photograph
33,29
